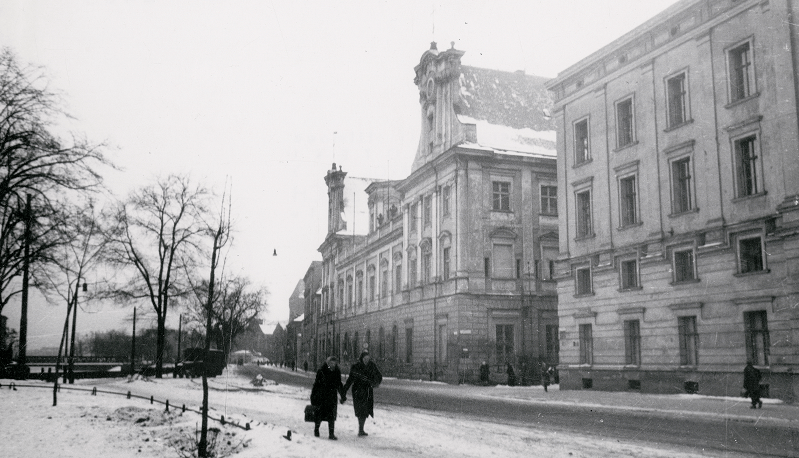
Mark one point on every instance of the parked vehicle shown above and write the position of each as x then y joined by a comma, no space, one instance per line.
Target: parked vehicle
192,364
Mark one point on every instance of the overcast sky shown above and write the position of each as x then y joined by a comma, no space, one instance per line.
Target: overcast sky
252,92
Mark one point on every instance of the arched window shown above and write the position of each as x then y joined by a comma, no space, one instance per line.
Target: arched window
384,278
427,257
380,342
394,341
359,287
349,292
356,349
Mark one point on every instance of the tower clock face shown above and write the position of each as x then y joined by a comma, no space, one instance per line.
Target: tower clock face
430,88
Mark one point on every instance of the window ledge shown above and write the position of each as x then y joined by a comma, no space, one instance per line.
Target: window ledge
585,237
687,367
634,288
743,100
494,210
584,295
630,226
685,282
686,212
548,214
756,272
628,145
750,196
677,126
632,366
580,164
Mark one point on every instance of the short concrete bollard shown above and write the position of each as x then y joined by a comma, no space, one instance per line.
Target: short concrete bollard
222,419
167,405
247,427
151,399
128,394
184,408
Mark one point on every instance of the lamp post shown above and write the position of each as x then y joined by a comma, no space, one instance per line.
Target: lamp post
72,339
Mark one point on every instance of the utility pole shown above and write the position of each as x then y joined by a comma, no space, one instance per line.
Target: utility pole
23,320
133,346
72,340
180,334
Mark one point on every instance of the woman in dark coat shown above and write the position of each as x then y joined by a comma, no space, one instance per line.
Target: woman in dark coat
511,376
364,376
323,396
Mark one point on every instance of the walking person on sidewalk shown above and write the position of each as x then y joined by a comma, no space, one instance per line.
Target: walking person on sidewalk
752,384
545,375
511,376
364,377
324,397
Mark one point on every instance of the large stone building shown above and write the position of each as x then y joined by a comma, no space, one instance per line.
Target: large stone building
452,265
679,177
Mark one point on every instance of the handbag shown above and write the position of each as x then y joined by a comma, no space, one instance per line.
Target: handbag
310,413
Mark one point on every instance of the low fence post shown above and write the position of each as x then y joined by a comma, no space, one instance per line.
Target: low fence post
94,391
128,394
151,399
167,405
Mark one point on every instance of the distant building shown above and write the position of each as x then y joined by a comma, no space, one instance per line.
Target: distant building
313,297
453,265
679,203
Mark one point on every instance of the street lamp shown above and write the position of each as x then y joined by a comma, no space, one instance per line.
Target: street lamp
72,340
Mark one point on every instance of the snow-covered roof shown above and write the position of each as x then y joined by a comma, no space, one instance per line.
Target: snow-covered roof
510,139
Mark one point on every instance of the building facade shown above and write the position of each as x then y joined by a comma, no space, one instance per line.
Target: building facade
679,177
452,265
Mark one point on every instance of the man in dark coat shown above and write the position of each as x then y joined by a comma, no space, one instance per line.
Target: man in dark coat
324,396
545,375
511,376
364,376
752,384
484,373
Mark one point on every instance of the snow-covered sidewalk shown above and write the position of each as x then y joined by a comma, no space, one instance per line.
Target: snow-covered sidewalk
112,426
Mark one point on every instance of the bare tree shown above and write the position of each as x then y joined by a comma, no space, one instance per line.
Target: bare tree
157,234
220,236
37,166
235,305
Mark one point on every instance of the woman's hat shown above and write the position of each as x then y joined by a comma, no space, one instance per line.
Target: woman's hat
364,353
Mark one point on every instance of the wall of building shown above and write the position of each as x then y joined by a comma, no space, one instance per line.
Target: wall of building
694,39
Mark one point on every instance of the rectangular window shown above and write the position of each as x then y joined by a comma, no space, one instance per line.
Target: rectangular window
581,142
684,266
360,290
586,344
629,274
427,211
552,343
414,217
349,293
681,185
501,196
372,286
442,344
487,267
583,280
757,338
628,201
504,343
504,266
397,278
426,270
445,200
632,342
445,263
584,224
741,72
689,340
624,123
409,345
750,254
746,166
676,94
412,273
384,281
549,200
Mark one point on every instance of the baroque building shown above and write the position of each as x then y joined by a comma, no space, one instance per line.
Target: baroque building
452,265
679,177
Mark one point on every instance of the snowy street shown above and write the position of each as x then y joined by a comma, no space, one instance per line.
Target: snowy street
113,426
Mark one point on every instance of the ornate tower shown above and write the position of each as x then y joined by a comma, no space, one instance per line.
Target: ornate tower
438,80
335,200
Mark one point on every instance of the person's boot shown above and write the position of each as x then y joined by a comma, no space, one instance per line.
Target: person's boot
331,429
361,422
316,430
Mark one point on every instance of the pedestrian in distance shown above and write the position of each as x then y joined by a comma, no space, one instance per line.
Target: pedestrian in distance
484,374
752,384
305,366
364,377
511,376
324,396
546,378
